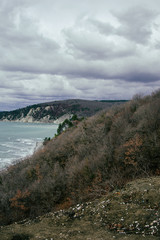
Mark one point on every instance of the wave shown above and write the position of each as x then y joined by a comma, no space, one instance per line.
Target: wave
19,140
18,152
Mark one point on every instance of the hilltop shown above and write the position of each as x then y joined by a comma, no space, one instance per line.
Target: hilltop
91,162
57,111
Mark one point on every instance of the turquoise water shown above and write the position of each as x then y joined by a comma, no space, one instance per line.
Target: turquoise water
18,140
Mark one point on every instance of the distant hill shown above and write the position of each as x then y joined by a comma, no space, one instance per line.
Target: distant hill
57,111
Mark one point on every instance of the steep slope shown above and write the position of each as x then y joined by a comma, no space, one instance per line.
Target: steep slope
90,159
57,111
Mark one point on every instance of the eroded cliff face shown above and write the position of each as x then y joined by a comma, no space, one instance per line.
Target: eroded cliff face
35,115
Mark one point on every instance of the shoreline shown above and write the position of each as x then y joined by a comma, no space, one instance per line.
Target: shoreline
19,121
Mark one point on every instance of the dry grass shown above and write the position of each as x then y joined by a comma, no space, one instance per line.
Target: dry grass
132,213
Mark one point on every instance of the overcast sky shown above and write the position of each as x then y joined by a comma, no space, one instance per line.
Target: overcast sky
88,49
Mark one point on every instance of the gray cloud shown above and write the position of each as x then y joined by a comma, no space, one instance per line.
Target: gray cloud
137,24
142,77
76,53
93,46
103,27
21,43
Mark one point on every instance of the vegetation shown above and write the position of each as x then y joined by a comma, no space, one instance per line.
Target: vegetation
21,237
46,140
68,123
86,162
131,213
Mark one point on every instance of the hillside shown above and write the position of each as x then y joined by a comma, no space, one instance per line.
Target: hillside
88,161
57,111
131,213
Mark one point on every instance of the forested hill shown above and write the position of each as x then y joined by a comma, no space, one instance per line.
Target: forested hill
96,156
57,111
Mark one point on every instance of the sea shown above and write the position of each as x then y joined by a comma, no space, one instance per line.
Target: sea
19,140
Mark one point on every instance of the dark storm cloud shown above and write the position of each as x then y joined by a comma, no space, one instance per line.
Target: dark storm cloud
145,77
129,75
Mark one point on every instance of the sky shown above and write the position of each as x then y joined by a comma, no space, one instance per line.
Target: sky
66,49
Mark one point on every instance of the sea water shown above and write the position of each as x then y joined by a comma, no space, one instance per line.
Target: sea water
18,140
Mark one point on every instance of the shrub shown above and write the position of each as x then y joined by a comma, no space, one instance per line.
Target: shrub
22,236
